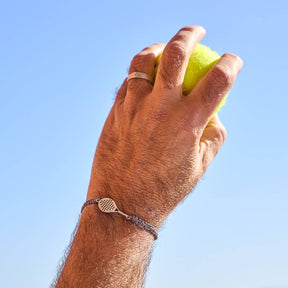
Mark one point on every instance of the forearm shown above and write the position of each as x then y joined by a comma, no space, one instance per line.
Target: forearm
107,251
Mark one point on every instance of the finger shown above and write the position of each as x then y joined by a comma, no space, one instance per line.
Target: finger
175,58
144,62
210,91
211,141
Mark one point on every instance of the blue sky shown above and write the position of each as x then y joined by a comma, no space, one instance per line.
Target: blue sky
60,65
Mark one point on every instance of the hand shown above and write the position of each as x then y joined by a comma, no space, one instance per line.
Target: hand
157,143
155,146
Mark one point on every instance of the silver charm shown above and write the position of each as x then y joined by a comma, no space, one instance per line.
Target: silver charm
107,205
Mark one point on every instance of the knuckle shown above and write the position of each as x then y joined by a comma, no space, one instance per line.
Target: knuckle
148,58
235,62
140,61
137,59
176,51
222,75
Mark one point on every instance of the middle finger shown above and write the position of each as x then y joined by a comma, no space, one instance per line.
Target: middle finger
175,58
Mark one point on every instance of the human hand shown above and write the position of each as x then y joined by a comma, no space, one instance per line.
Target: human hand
157,143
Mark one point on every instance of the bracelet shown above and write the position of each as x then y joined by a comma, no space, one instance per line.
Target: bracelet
107,205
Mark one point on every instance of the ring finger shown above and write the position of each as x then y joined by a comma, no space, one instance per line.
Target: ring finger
144,62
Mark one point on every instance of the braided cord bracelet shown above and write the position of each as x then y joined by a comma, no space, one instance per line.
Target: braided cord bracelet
107,205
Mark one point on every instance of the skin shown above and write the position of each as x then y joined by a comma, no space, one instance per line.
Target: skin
155,146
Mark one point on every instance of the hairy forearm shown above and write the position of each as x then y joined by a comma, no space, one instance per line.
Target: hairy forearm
107,251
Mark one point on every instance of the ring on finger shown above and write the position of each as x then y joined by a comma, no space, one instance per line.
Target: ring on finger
140,75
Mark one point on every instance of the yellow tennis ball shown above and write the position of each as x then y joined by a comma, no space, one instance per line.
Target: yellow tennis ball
200,62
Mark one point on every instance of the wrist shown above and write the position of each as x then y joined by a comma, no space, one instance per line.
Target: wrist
112,226
130,199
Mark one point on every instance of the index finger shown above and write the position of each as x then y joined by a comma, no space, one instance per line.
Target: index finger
212,88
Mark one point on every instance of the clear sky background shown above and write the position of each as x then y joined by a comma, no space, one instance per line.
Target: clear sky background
60,65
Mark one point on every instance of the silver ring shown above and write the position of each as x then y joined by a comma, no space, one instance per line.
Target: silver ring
140,75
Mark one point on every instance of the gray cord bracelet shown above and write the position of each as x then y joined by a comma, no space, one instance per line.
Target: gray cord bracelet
107,205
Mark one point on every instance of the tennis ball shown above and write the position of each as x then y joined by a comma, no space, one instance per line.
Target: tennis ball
200,62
